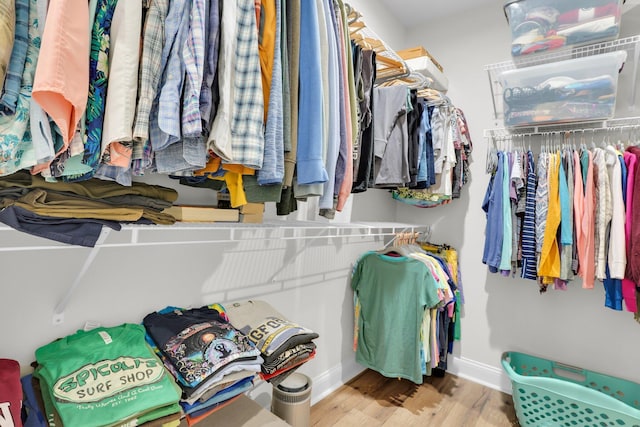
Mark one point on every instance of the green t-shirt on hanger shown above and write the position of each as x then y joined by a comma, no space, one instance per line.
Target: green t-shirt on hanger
393,294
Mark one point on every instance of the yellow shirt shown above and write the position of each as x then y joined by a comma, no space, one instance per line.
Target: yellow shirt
550,255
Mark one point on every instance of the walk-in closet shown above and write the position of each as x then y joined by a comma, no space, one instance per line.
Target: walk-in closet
319,213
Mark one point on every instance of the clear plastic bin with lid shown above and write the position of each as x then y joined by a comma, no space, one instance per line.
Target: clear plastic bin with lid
543,25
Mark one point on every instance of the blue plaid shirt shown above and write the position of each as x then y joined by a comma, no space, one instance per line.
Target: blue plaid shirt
247,126
151,66
194,56
165,112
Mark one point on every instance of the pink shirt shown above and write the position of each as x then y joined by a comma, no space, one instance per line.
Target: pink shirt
347,182
578,209
633,256
628,286
589,230
61,84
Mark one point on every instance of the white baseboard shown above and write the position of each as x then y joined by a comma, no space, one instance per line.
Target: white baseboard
480,373
329,381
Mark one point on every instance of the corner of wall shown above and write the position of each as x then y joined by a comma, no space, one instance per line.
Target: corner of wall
480,373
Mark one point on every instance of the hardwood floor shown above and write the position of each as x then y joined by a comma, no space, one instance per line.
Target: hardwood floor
373,400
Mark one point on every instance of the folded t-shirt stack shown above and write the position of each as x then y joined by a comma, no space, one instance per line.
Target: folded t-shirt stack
284,345
104,377
212,361
75,212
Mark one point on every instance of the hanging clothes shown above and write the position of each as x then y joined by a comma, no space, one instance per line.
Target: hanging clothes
11,90
16,151
7,36
151,66
420,282
578,219
167,86
120,106
389,336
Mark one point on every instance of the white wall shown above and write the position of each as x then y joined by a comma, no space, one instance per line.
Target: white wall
500,313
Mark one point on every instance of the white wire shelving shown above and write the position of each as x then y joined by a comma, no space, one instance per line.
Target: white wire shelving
198,234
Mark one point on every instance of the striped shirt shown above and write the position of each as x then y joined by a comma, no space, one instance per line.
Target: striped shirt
247,126
529,270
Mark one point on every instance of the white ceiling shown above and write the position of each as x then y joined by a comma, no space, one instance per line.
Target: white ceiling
413,12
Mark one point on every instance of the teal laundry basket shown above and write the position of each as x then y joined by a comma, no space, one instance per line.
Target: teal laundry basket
547,393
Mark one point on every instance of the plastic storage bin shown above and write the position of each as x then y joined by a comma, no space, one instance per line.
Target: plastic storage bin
547,393
541,25
580,89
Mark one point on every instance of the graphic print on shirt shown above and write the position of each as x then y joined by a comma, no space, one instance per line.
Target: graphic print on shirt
201,349
98,381
6,419
273,332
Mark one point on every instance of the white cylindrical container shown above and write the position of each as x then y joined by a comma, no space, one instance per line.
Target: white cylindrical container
291,400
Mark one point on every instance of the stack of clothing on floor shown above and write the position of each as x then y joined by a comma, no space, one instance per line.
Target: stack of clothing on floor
75,213
284,345
104,377
212,361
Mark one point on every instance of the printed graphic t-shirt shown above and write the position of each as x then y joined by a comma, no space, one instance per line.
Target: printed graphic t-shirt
104,376
198,342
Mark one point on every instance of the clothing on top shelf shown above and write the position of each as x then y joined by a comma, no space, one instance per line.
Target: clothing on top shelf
74,213
406,305
538,27
558,98
201,90
573,218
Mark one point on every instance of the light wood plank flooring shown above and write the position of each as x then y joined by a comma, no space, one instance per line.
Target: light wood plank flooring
373,400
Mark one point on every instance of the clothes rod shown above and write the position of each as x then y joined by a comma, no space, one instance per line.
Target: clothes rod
609,126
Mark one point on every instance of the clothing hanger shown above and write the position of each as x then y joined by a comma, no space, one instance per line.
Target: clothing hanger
352,15
389,64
